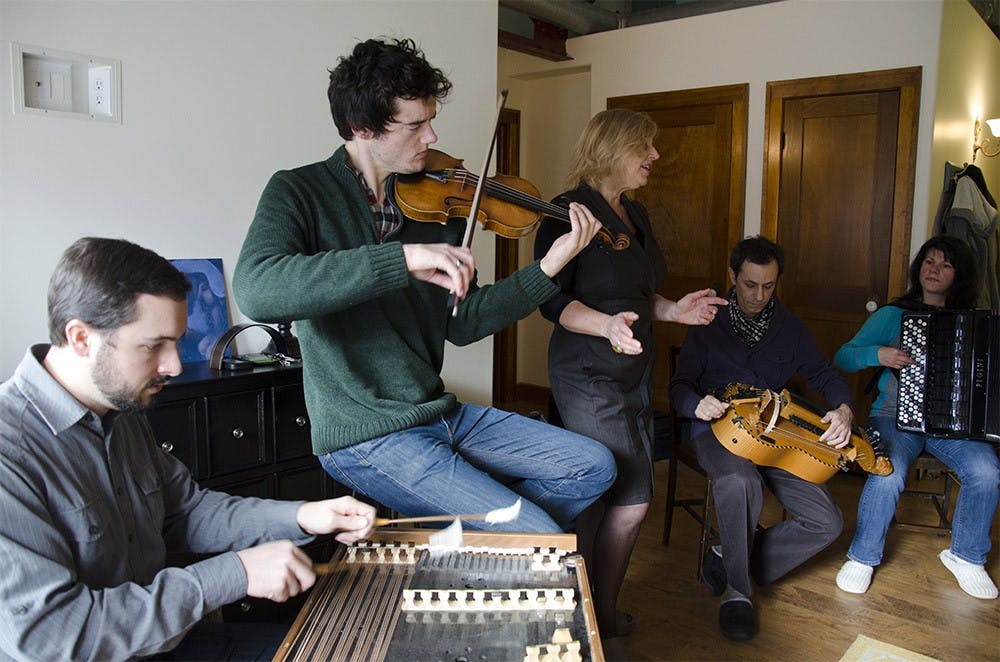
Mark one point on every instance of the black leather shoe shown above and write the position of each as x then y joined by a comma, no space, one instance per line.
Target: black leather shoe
713,573
737,620
624,623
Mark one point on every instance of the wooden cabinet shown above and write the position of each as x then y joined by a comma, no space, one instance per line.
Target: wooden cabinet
245,433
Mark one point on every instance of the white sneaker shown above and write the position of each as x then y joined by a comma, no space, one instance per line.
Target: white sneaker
854,577
971,577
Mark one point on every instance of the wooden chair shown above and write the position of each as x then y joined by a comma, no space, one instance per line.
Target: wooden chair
926,465
701,509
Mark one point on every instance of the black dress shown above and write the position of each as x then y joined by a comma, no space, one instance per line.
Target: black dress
601,394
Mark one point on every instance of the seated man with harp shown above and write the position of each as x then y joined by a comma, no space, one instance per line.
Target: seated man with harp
756,341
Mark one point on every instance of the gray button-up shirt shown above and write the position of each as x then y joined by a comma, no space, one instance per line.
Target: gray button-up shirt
89,510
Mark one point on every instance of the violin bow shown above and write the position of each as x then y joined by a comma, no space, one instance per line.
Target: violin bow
470,225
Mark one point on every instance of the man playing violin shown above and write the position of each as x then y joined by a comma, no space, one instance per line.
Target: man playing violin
756,341
369,292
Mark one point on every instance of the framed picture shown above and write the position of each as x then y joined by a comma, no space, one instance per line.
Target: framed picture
207,311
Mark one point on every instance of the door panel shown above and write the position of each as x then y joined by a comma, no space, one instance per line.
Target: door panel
694,195
836,203
839,160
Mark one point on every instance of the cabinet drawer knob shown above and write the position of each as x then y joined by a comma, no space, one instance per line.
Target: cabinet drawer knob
167,446
300,421
237,433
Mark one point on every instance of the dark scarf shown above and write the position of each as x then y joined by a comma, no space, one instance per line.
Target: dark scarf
749,329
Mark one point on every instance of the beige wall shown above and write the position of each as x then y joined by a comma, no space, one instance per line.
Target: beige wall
968,87
777,41
554,109
217,95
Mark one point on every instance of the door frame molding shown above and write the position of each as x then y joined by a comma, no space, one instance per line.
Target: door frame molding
907,81
506,262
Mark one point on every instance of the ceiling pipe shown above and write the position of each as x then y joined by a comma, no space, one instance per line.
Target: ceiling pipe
579,17
582,17
686,9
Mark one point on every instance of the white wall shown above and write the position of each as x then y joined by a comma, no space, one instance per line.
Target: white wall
777,41
216,96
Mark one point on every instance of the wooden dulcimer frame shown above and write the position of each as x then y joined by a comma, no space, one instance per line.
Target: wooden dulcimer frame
523,596
783,430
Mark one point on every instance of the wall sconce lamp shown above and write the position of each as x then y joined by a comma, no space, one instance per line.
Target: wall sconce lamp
988,146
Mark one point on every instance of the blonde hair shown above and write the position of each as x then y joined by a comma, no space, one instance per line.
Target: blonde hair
610,137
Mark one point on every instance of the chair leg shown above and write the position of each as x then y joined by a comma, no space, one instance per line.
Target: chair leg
668,513
706,525
945,503
940,500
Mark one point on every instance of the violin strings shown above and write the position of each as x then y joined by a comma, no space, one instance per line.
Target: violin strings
513,195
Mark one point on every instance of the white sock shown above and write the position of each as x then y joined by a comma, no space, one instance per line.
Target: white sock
854,577
971,577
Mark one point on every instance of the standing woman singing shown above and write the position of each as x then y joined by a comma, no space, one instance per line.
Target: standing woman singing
602,349
942,275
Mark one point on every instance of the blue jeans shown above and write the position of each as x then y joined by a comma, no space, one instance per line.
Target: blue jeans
978,471
477,459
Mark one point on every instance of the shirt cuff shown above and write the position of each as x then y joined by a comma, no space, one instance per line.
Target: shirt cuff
279,518
536,284
222,578
388,265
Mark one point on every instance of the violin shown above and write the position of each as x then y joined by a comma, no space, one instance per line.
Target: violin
510,205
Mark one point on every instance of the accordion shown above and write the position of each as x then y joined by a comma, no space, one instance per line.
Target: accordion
953,388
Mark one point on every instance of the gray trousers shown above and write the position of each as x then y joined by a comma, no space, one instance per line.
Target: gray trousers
737,487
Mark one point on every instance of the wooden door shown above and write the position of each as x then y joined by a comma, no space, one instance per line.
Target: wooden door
841,202
695,194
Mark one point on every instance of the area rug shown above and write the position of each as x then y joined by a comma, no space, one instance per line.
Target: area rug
866,649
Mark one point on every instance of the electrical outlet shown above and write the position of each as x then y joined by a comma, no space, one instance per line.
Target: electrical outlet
100,90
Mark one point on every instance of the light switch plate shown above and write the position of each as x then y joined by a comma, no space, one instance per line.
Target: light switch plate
58,83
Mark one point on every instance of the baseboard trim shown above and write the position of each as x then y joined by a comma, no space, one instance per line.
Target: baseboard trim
524,392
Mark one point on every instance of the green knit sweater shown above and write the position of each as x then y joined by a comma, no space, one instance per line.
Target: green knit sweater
372,337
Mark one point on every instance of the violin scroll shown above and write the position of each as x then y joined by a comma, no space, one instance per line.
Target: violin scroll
616,243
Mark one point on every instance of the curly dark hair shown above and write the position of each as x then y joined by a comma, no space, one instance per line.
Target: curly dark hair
98,280
758,250
364,86
964,291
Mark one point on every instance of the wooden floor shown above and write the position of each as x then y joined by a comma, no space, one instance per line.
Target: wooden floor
914,602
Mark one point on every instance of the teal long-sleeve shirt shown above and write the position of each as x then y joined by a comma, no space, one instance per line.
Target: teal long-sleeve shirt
882,329
372,336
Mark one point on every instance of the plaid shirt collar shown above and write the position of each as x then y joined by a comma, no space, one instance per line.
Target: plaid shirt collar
386,216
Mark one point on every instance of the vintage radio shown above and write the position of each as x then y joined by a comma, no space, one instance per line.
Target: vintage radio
953,388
